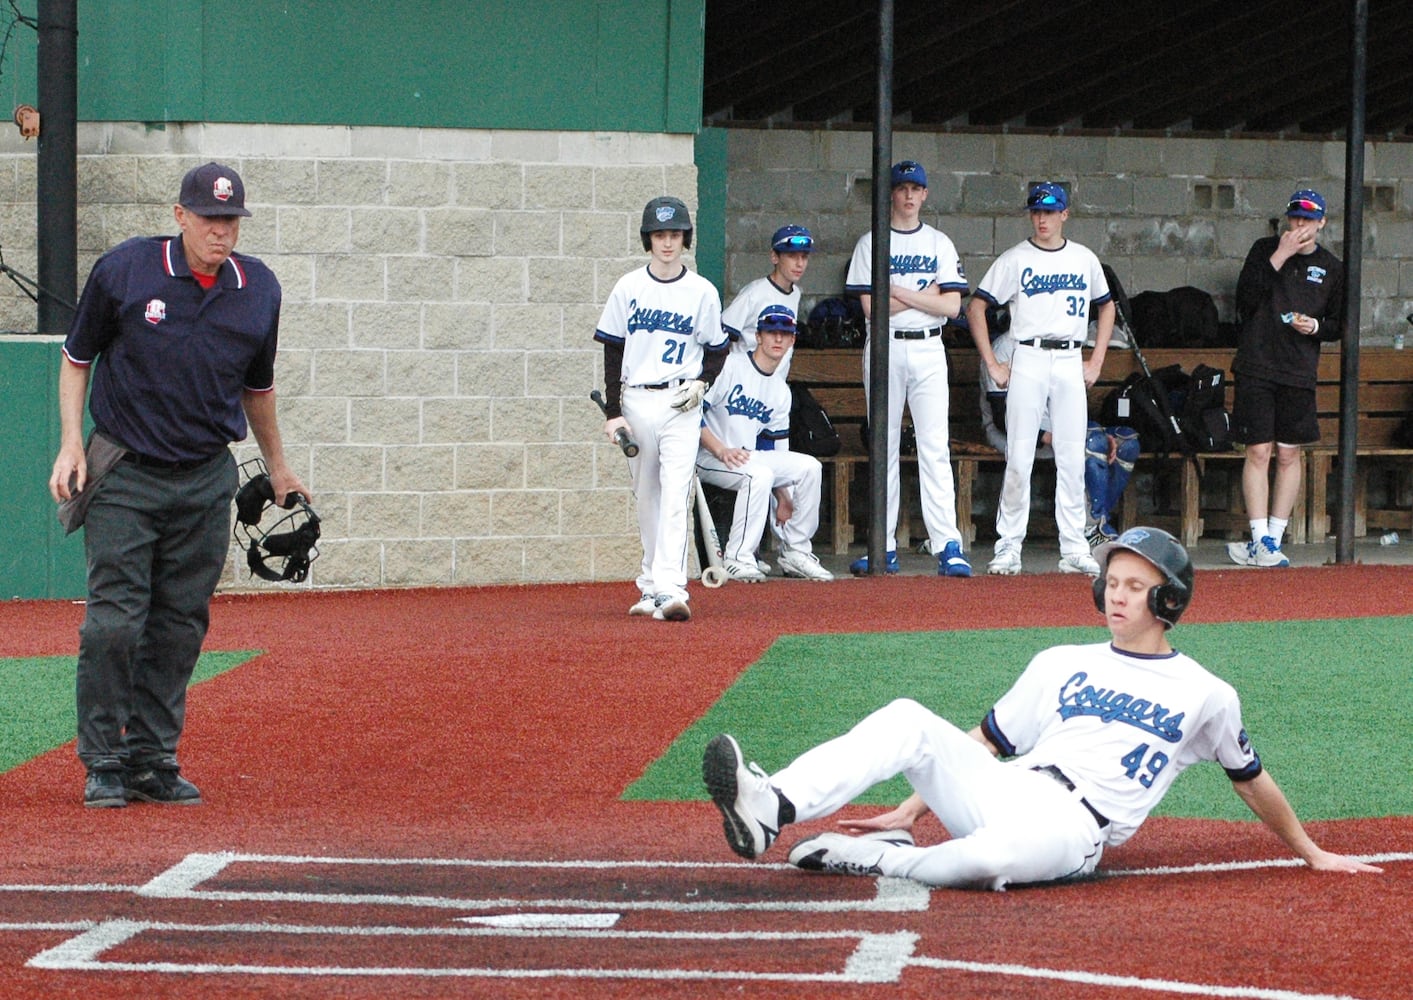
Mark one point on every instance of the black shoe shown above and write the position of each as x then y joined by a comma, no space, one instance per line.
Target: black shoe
104,790
161,786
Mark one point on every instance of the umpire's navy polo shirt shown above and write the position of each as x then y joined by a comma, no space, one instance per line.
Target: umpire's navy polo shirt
173,359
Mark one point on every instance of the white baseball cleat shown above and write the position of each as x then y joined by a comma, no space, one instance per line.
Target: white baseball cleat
763,566
840,854
645,607
752,811
1079,562
672,609
804,565
743,572
1006,563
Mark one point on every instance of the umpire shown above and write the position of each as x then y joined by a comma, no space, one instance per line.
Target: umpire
178,335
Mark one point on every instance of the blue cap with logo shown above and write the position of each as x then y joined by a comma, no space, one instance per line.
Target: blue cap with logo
792,239
909,172
778,318
1306,204
1047,197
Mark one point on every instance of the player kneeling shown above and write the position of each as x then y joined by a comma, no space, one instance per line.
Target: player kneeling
745,447
1093,737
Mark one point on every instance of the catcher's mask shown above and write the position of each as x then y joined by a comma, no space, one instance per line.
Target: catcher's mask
283,550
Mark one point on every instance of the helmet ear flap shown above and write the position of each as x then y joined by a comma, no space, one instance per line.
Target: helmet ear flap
1099,587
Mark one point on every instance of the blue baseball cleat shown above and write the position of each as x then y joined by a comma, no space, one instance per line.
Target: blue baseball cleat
859,566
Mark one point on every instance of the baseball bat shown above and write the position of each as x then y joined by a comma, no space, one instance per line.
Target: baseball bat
714,573
621,437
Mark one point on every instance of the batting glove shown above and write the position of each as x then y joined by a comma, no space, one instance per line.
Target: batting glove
689,395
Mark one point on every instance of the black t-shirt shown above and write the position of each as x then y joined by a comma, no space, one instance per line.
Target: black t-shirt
1312,284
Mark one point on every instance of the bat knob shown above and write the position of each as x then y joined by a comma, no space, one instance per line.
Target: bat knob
714,576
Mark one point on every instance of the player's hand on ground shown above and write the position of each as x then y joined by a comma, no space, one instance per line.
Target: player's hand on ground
689,395
613,426
900,818
1325,861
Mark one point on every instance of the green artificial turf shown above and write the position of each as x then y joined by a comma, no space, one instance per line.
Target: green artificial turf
37,701
1325,703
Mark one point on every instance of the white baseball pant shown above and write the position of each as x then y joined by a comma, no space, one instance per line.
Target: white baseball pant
917,375
753,483
662,485
1041,378
1007,822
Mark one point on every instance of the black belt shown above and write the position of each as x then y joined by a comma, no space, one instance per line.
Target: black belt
936,331
1051,771
663,385
1046,344
148,462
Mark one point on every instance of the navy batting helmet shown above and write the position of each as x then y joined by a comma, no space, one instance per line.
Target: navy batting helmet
666,213
1169,599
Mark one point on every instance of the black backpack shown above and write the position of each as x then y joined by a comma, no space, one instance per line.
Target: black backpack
811,430
1203,414
1146,405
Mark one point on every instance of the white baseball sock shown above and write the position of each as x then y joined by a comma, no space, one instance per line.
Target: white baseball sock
1275,527
1259,529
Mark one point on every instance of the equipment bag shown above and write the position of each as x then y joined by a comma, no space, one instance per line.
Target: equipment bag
811,430
1145,404
1203,415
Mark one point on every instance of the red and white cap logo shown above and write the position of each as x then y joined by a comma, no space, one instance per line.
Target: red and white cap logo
155,312
222,190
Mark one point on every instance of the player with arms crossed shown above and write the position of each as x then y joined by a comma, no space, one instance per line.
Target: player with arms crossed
1051,284
790,250
662,344
1094,736
926,285
745,441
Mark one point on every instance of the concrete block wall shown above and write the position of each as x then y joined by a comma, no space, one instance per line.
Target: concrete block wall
1162,212
441,290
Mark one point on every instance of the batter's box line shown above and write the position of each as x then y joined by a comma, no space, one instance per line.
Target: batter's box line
877,958
183,881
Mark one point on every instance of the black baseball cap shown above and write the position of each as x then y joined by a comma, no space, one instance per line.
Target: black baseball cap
213,189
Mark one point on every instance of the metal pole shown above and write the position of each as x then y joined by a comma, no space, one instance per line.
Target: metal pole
878,324
1353,278
57,209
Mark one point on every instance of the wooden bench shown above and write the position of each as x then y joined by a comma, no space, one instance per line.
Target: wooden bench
1386,392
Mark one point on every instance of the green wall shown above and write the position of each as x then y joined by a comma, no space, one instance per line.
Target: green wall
587,65
36,559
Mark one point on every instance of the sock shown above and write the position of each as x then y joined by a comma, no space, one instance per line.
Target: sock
1276,528
1259,529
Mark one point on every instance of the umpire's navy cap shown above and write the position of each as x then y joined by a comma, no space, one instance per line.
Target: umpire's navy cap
213,189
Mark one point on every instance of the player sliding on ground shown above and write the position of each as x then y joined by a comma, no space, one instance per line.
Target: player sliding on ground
1094,736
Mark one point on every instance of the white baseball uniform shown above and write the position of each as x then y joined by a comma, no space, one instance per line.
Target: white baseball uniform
664,327
917,372
739,318
1115,727
1051,294
746,408
1003,347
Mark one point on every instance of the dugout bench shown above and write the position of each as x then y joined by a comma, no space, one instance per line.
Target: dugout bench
1186,502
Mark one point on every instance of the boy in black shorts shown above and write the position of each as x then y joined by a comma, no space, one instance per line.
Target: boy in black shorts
1290,297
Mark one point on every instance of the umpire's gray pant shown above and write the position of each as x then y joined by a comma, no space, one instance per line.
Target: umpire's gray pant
156,542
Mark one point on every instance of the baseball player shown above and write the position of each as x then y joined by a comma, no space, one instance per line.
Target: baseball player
1051,284
1109,452
790,250
745,446
926,285
1094,736
662,344
1290,296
